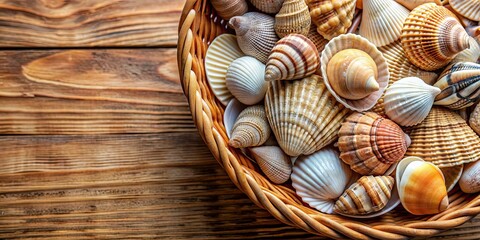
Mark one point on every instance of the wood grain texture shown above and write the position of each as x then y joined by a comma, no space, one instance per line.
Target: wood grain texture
87,23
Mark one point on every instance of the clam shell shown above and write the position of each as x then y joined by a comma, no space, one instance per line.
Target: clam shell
276,165
432,36
460,85
352,41
444,139
452,175
319,179
408,101
227,9
471,54
470,179
411,4
303,115
293,17
221,52
255,34
370,144
246,80
475,119
469,9
268,6
332,17
251,128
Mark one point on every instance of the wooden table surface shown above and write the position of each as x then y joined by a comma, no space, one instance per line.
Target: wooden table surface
96,138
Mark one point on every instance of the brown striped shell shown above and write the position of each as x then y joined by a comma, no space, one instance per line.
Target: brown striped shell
276,165
227,9
251,128
268,6
332,17
293,17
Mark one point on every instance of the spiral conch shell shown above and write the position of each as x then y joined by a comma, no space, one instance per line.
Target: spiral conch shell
475,119
293,57
251,128
432,36
293,17
246,80
469,9
255,34
227,9
276,165
332,17
268,6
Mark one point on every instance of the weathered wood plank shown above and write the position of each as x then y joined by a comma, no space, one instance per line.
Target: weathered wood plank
87,23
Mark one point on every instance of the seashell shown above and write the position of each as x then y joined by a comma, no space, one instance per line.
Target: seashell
255,34
303,115
293,57
360,83
471,54
460,85
332,17
319,179
293,17
432,36
233,109
317,39
470,179
463,20
246,80
221,52
411,4
469,9
382,21
475,119
370,144
408,101
251,128
369,194
276,165
267,6
452,175
227,9
444,139
474,32
413,176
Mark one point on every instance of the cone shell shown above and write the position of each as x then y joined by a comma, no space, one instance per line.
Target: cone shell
227,9
382,21
444,139
255,34
470,180
460,85
332,17
427,52
303,115
471,54
293,17
409,100
370,144
251,128
276,165
475,119
452,175
355,73
319,179
411,4
246,80
467,8
221,52
268,6
293,57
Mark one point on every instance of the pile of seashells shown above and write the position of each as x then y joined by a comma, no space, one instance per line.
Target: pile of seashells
363,105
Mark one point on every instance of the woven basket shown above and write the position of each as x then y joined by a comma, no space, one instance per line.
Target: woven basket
199,25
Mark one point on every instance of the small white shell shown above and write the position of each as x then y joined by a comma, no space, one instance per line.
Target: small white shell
470,180
233,109
246,80
276,165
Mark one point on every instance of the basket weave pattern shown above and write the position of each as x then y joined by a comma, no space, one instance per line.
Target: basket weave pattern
199,25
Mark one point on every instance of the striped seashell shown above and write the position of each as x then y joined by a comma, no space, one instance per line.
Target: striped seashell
268,6
227,9
470,179
255,34
474,120
293,17
411,4
251,128
469,9
332,17
276,165
427,52
471,54
293,57
460,85
452,176
245,79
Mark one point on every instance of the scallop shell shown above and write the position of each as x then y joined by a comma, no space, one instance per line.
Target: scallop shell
276,165
332,17
471,54
432,36
268,6
444,139
370,144
221,52
352,71
475,119
293,17
246,80
227,9
411,4
460,85
293,57
319,179
382,21
303,115
452,176
413,176
467,8
470,179
255,34
251,128
408,101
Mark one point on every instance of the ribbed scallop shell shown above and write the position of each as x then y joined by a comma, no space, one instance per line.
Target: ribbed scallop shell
221,52
470,179
475,119
352,41
332,17
408,101
444,139
471,54
319,179
370,144
369,194
411,4
293,17
276,165
246,80
382,21
293,57
432,36
303,115
460,85
452,175
267,6
255,34
468,8
251,128
227,9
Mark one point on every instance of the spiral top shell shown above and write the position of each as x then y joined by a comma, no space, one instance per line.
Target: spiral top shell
332,17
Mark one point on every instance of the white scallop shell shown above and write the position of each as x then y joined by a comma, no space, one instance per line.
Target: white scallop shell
221,52
409,100
467,8
246,80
